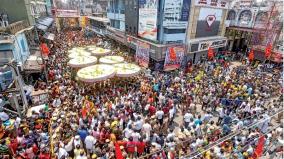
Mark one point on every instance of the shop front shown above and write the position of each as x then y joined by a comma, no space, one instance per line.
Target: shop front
198,48
67,19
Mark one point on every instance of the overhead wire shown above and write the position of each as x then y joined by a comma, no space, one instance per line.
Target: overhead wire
233,135
219,141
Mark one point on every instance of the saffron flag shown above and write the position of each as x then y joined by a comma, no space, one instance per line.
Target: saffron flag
174,58
118,152
251,55
173,55
259,148
44,49
268,51
210,53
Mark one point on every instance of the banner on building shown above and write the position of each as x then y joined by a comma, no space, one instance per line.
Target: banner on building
142,54
175,18
148,12
212,3
174,58
67,13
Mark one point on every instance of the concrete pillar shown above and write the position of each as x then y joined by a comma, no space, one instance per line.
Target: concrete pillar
238,43
231,44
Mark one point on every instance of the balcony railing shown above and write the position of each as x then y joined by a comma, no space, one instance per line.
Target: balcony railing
15,27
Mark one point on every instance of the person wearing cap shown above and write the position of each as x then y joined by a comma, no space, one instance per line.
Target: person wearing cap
77,141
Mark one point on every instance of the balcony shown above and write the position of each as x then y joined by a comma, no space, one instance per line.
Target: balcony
15,27
117,14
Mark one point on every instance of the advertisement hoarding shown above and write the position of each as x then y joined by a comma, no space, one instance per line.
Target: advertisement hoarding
148,12
176,13
142,54
208,22
174,58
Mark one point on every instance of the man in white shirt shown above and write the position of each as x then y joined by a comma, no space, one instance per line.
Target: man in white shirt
62,153
187,116
136,136
128,131
56,102
160,116
171,115
89,143
146,129
138,124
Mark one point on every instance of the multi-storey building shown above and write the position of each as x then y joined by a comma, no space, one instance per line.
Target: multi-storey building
165,23
255,24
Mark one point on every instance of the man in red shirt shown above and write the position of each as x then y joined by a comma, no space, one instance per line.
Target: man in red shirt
140,147
152,110
130,147
44,154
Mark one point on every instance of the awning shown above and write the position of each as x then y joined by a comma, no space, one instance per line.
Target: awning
41,27
44,23
49,36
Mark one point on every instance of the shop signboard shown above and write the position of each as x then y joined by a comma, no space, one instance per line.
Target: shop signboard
67,13
208,22
142,54
223,4
203,46
148,12
174,57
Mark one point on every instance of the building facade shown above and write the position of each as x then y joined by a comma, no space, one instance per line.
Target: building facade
166,23
255,25
206,28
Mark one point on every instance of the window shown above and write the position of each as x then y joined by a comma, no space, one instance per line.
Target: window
174,31
5,56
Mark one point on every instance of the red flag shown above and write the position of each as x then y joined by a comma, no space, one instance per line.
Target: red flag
210,54
268,51
173,55
259,148
118,152
251,55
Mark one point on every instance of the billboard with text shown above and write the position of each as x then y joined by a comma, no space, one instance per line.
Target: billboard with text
147,24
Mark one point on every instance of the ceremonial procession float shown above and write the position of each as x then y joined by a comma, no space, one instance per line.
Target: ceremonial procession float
96,73
111,59
82,61
126,70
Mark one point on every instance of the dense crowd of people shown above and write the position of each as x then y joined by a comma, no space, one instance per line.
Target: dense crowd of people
158,115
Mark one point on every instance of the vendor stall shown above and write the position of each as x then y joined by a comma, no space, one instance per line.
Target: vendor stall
111,59
82,61
126,69
96,73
